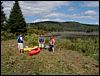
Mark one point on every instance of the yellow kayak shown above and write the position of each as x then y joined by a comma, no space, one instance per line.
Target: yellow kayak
29,49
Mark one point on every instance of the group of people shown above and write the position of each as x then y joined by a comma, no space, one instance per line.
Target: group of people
41,42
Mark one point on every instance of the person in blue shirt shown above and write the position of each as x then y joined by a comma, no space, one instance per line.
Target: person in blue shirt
20,44
41,41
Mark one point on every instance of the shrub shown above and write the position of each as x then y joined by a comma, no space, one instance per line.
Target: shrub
7,35
32,40
88,46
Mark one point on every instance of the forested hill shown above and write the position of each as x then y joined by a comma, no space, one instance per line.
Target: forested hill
64,26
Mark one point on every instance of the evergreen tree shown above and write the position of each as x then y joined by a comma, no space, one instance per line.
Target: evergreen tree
3,18
16,22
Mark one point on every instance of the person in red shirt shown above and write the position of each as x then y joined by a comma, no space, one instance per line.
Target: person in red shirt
52,42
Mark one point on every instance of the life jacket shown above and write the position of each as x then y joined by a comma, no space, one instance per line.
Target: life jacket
41,40
52,41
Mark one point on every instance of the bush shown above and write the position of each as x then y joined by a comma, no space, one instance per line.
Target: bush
7,35
89,46
32,40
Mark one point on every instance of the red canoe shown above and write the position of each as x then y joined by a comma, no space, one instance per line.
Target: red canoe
34,51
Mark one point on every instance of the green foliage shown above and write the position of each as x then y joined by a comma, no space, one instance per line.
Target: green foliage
34,41
7,35
46,63
47,40
32,30
87,46
31,40
16,22
64,26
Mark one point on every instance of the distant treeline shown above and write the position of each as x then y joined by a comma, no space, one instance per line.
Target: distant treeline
64,26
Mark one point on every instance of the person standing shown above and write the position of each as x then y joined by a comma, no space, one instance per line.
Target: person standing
52,42
20,44
41,41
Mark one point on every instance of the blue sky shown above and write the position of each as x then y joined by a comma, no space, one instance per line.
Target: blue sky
61,11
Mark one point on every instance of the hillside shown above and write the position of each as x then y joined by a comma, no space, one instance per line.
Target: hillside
64,26
61,62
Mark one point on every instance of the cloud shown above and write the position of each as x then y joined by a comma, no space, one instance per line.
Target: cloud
71,8
39,7
77,16
7,7
51,10
35,7
8,3
91,3
59,20
48,19
55,14
97,22
62,15
90,12
39,20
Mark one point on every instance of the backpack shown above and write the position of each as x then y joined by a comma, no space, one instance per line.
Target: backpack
41,40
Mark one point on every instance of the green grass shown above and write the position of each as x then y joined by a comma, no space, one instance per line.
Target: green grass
87,46
61,62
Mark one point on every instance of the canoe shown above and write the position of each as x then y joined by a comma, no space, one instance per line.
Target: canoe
29,49
34,51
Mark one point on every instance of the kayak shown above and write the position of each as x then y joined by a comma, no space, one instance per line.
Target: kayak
34,51
29,49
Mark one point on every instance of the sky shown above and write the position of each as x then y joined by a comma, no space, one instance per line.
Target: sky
61,11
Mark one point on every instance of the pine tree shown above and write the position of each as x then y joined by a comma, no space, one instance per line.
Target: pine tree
16,22
3,18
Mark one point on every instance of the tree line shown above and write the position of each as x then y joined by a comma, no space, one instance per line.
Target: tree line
64,26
